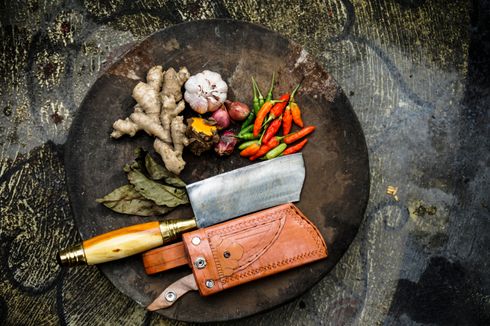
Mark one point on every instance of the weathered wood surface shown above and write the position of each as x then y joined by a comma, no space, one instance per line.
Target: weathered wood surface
417,76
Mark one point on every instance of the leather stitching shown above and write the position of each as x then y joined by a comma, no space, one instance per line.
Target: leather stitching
318,252
240,227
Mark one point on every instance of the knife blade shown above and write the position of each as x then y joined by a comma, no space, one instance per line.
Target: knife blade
213,200
248,189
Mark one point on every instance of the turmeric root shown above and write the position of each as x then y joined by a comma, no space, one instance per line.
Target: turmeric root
159,103
202,135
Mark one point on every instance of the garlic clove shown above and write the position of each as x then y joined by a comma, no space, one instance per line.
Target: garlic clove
201,105
213,104
197,103
191,85
212,76
221,87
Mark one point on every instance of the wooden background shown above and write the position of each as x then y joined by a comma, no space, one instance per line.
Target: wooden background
417,75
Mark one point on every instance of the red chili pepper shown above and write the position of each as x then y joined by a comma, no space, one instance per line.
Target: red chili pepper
287,121
296,112
278,108
272,130
274,142
298,135
295,148
250,150
264,110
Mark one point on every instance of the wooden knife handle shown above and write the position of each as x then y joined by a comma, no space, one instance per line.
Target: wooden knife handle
124,242
161,259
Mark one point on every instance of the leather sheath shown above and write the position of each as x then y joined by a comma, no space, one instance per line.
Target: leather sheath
243,249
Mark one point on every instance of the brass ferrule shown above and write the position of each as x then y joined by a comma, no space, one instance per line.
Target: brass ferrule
171,229
72,256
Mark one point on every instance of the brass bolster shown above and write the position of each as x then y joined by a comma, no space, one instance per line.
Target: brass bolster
170,229
72,256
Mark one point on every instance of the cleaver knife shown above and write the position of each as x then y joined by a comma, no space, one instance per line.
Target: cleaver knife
213,200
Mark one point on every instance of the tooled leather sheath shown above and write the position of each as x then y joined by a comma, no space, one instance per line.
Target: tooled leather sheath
244,249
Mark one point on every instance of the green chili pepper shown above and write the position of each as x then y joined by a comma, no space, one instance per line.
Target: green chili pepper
248,121
247,136
275,152
248,143
269,95
245,130
257,102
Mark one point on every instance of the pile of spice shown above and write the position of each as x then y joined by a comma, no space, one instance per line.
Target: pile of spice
259,132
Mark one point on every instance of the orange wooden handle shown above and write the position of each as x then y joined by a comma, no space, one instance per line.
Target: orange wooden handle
165,258
122,243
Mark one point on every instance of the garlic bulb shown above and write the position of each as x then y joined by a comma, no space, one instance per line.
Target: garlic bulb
205,91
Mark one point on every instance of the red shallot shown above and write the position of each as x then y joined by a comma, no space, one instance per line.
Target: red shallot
221,117
226,143
238,111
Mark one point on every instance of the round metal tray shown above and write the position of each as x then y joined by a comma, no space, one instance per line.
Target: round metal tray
336,188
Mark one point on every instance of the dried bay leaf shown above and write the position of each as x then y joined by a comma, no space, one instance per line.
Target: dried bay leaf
155,170
144,196
127,200
159,172
157,192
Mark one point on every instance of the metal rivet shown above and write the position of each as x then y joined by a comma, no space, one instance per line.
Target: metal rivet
209,284
226,254
170,296
196,241
200,262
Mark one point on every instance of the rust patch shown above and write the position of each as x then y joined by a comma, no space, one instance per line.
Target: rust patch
172,44
133,65
319,81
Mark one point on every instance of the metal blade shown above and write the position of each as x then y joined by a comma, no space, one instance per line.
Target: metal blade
248,189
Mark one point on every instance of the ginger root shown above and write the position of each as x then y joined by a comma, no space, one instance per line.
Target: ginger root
159,103
146,112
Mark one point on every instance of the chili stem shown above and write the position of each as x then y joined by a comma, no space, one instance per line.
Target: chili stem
269,94
261,97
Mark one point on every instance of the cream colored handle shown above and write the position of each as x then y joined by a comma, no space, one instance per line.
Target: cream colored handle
122,243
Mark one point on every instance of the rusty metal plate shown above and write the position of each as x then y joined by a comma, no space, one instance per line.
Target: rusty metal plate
336,188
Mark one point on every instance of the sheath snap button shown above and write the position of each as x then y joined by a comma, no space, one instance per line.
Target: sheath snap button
200,262
196,241
209,284
226,254
170,296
